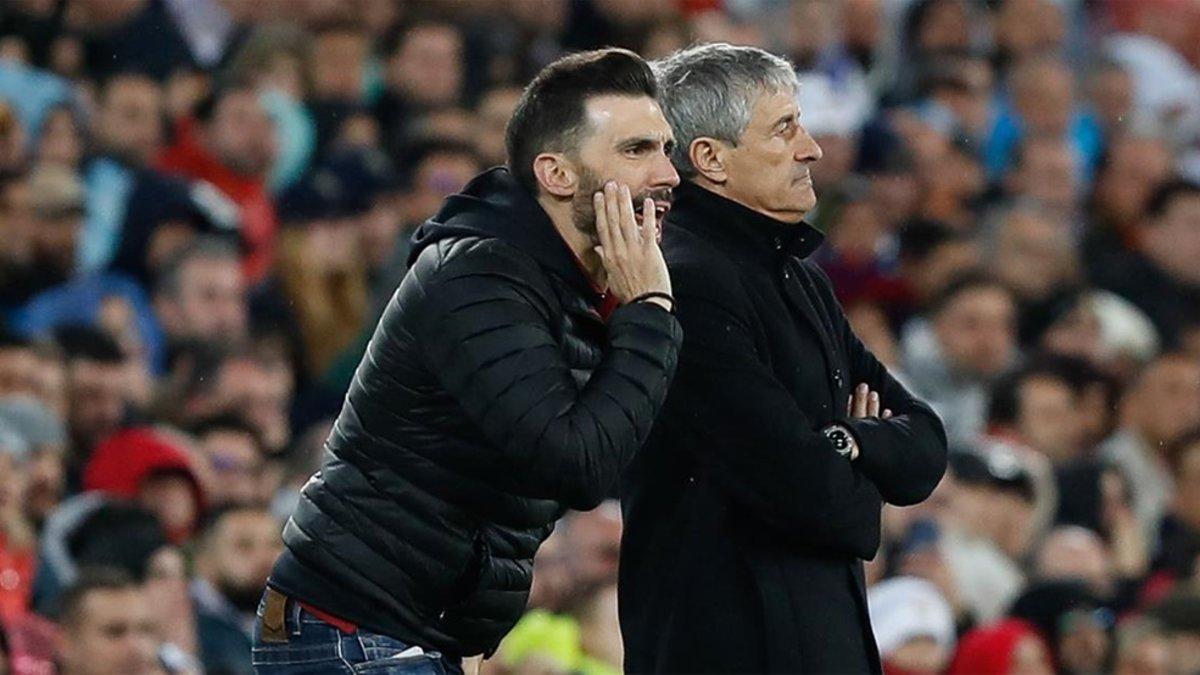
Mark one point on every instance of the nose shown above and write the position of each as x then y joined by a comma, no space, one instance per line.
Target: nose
807,149
664,174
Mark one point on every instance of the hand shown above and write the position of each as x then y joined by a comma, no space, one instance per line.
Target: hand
630,252
865,403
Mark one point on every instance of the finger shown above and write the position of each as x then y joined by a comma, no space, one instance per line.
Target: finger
887,412
603,229
649,224
873,404
860,401
629,223
850,405
612,205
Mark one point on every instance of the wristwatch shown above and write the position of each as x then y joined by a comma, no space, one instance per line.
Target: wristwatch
842,440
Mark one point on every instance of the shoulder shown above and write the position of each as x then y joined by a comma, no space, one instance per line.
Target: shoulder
471,271
701,269
466,256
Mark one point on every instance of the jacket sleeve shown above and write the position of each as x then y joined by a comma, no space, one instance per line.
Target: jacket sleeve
485,329
766,454
905,455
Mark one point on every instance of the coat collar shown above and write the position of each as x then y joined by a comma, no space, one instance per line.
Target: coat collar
742,231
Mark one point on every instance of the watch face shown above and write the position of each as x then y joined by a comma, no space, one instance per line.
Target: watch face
839,438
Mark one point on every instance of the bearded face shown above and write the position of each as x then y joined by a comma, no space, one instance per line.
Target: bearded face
583,211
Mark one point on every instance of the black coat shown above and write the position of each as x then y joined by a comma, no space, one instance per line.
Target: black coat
744,528
491,398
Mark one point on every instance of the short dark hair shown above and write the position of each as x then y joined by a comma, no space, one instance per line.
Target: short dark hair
550,114
212,521
1004,406
420,148
207,106
967,281
80,342
919,238
90,580
120,536
1169,192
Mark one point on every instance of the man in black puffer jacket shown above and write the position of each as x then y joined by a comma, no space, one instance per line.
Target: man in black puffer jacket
514,374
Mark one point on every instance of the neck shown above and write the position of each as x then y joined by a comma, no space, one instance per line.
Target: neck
722,189
583,245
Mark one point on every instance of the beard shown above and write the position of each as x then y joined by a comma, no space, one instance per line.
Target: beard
583,211
243,598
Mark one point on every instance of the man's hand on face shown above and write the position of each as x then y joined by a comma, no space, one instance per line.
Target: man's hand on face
629,249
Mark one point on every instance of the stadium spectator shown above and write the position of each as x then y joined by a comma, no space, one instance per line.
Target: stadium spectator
914,626
968,338
108,627
200,295
98,390
229,142
235,460
234,557
1008,646
152,469
136,215
1162,404
43,432
1161,276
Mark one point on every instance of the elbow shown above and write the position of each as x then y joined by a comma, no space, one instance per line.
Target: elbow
917,487
910,495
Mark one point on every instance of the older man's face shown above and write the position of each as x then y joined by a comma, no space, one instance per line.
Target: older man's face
768,169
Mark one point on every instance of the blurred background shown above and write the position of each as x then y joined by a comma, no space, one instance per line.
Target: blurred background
205,204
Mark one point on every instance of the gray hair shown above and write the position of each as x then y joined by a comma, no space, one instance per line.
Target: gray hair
710,90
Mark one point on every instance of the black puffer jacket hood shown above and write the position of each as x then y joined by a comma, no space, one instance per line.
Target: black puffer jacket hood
495,205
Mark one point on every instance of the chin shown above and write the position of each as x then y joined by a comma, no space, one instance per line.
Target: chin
809,198
801,198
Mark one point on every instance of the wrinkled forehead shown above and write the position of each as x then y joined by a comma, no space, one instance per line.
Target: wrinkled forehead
769,105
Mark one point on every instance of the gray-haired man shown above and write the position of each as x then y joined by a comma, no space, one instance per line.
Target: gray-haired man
749,512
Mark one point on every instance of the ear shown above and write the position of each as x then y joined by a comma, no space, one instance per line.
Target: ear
708,156
556,174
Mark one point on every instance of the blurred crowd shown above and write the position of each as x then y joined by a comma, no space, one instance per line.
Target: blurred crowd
205,204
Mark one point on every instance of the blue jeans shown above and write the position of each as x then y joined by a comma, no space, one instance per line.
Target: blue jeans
314,646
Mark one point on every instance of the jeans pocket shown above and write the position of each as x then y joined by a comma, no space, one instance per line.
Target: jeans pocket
410,662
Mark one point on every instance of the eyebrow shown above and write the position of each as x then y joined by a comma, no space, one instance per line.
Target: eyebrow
628,143
785,118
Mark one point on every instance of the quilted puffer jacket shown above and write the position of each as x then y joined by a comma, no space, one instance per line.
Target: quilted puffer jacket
493,396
